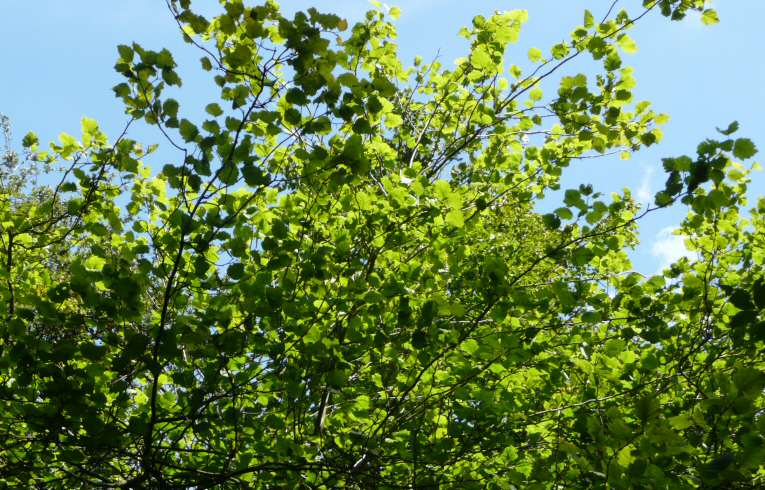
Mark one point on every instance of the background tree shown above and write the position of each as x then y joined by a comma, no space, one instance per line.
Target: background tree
342,280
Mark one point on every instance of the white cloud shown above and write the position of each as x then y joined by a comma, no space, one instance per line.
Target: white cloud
669,247
644,194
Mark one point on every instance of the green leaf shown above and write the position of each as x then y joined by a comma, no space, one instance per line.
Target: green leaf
744,148
235,271
481,59
213,109
68,141
93,352
628,357
758,293
681,422
293,116
709,17
125,52
94,263
564,213
627,44
591,317
535,55
30,140
455,218
188,130
625,457
741,299
393,121
551,221
560,51
89,126
646,408
170,77
589,20
165,59
419,339
136,345
296,96
362,126
732,128
470,346
229,174
254,176
743,319
122,90
170,108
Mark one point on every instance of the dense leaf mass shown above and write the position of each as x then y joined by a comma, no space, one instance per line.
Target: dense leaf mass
340,278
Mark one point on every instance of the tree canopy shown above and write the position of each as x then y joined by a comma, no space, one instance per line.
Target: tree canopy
342,280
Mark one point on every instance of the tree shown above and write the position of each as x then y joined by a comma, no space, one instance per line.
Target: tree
342,280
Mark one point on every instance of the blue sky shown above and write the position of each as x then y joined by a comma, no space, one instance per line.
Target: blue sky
57,60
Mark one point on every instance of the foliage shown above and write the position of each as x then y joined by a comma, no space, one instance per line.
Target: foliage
342,279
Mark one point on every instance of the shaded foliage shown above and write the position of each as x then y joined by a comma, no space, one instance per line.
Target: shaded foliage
342,280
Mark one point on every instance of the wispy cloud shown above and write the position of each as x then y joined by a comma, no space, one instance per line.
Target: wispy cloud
669,247
644,193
